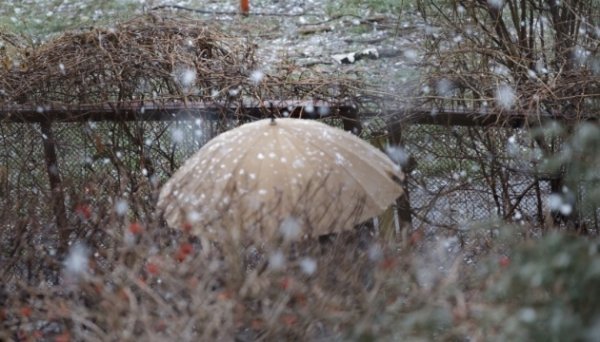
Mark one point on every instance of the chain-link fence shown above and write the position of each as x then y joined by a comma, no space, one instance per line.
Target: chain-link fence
99,164
462,175
466,176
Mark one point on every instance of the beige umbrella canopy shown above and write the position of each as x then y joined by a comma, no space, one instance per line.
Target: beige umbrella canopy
283,177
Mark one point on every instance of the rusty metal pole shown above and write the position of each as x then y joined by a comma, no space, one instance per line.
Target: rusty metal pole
56,189
245,7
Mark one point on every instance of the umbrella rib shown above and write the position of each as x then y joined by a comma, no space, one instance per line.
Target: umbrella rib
365,161
348,170
199,186
352,152
286,137
310,189
250,142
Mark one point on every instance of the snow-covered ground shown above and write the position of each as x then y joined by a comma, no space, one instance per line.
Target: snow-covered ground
314,33
309,32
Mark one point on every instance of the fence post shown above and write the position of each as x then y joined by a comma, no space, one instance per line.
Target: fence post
245,6
403,203
56,189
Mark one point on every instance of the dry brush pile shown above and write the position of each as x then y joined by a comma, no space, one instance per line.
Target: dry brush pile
157,58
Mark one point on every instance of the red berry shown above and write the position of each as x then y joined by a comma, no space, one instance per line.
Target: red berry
289,319
64,337
286,283
186,227
184,250
84,211
136,228
26,311
504,261
152,268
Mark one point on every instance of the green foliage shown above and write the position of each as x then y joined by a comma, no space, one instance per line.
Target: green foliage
583,167
550,291
578,161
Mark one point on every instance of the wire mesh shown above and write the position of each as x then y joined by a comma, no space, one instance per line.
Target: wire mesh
466,176
463,175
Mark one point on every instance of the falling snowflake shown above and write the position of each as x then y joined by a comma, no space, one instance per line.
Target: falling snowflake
323,111
309,108
497,4
527,315
580,55
290,229
186,77
308,265
556,202
76,262
234,92
177,135
193,216
256,77
411,54
277,260
375,252
566,209
517,215
445,87
505,96
397,154
121,207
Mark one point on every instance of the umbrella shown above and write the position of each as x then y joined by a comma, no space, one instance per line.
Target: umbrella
280,177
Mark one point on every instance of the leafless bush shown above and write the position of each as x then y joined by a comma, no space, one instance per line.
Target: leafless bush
533,59
528,56
128,277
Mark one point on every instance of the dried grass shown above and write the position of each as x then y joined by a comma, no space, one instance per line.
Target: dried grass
144,281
